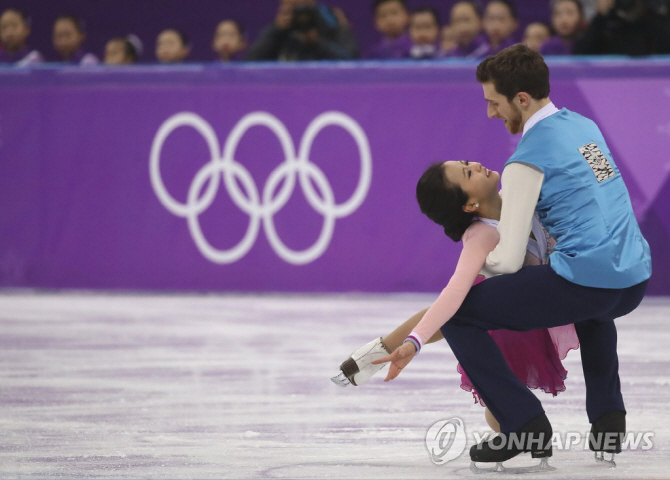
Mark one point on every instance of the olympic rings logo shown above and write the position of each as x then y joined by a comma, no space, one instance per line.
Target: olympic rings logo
261,207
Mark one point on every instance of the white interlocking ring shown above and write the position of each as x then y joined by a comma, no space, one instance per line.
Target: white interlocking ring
261,207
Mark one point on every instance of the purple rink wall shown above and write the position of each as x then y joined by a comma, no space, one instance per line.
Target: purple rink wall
278,177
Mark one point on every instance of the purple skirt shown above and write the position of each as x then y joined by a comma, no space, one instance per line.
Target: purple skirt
534,357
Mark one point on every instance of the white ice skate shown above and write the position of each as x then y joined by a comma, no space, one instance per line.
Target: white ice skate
358,368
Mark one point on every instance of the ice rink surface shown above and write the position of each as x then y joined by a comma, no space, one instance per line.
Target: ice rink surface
237,386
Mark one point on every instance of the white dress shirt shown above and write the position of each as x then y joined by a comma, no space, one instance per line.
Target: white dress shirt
521,186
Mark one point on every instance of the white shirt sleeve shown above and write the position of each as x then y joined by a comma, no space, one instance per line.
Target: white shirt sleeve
521,185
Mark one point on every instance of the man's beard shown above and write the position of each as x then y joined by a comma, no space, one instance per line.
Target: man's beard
514,124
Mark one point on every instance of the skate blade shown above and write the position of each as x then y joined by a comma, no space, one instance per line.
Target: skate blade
340,380
543,466
601,459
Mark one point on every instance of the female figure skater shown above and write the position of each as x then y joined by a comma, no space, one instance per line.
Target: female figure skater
463,198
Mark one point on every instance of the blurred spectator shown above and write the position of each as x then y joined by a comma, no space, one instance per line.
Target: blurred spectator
448,38
14,32
68,37
536,35
123,50
466,19
627,27
172,46
567,18
499,23
424,31
391,20
229,42
589,8
305,30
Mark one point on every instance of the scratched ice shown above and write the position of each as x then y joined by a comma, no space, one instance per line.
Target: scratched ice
237,386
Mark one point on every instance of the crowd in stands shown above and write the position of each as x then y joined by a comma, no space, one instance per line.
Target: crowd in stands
312,30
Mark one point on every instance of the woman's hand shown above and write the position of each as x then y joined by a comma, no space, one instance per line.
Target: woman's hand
399,359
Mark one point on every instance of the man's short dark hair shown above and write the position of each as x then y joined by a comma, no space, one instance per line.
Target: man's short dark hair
516,69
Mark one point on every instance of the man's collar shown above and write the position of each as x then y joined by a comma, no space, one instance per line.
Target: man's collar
541,114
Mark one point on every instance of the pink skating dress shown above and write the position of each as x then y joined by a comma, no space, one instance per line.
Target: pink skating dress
534,356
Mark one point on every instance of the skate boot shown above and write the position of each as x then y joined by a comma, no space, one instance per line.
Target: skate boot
606,435
358,368
534,437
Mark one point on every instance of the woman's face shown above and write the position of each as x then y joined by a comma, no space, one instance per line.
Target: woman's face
566,18
169,48
466,23
66,38
477,181
115,53
13,30
498,22
391,19
227,39
423,29
535,36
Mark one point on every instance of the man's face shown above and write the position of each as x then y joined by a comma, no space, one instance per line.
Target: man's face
499,107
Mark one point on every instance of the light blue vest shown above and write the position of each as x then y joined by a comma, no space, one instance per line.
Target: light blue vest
584,204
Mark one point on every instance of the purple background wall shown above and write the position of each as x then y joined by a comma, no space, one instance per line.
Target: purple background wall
146,18
79,207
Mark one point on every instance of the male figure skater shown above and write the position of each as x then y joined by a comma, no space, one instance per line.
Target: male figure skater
598,271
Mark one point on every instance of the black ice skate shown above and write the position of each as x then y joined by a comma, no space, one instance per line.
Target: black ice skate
534,437
358,368
606,435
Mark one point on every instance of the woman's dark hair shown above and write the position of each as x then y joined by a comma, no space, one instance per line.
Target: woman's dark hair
24,17
240,28
78,22
132,46
516,69
510,6
432,12
376,4
578,3
443,202
476,6
183,37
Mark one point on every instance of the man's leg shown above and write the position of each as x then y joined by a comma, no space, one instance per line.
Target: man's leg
534,297
600,362
507,397
604,402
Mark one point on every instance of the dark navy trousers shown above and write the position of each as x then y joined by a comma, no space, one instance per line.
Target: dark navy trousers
536,297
